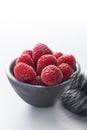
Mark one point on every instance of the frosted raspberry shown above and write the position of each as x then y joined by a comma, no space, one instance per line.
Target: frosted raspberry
24,72
58,54
37,81
28,52
44,61
26,59
67,70
51,75
39,50
69,59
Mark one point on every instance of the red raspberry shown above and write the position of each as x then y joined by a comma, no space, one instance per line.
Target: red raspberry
39,50
24,72
26,59
67,70
37,81
28,52
51,75
44,61
69,59
58,54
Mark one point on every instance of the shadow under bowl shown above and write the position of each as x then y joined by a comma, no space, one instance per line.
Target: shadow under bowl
37,95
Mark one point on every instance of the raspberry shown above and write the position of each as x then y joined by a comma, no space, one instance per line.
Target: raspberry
44,61
26,59
28,52
37,81
51,75
24,72
67,70
58,54
69,59
39,50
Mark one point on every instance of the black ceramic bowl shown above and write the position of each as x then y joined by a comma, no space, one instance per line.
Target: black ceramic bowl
41,96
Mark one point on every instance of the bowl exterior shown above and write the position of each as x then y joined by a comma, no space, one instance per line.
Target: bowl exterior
37,96
41,96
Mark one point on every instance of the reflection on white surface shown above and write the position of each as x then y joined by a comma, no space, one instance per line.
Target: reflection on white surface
52,118
69,121
43,118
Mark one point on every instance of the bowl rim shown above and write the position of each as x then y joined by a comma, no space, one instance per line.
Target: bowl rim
10,75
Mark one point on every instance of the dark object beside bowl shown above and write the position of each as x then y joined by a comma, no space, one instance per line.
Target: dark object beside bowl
41,96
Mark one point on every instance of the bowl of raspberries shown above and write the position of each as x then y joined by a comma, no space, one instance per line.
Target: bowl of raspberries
39,76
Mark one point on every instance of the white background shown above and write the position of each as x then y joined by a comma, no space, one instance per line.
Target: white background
62,25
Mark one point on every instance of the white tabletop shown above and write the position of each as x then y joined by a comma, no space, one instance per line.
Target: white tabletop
63,27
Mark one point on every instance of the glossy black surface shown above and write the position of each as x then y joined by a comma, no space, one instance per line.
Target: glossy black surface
41,96
75,97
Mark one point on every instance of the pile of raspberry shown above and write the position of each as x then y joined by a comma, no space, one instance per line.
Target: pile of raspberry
41,66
